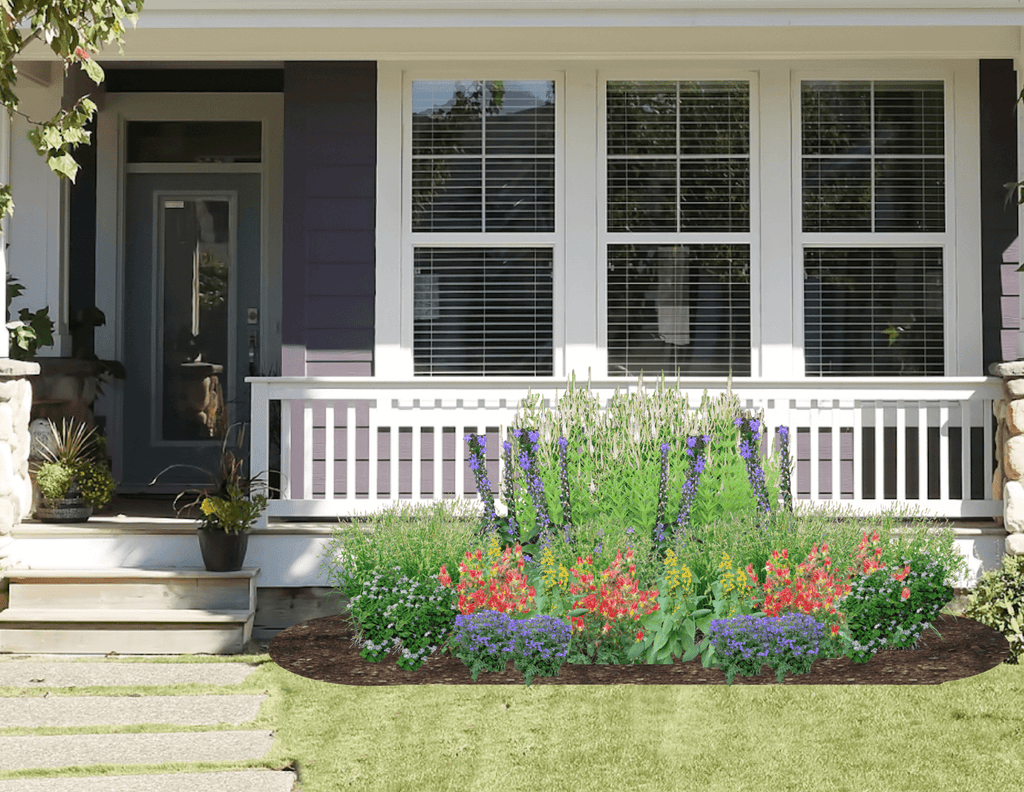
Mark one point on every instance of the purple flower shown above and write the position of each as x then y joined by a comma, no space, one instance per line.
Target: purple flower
692,441
534,436
563,442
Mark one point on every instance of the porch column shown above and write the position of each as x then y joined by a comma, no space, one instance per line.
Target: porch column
1008,479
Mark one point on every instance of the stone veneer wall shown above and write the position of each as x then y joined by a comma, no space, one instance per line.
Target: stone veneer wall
15,484
1008,479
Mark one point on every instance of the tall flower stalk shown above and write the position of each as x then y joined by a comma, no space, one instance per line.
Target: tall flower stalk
510,490
563,481
696,450
750,436
478,464
658,533
785,468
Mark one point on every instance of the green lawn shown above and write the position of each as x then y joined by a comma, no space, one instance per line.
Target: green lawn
966,736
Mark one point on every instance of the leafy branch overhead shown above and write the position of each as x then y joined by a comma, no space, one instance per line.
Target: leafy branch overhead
74,30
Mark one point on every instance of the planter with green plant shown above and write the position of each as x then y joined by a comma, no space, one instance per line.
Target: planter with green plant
74,478
228,508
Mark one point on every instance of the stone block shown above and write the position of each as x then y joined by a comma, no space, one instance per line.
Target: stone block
8,390
6,422
1013,458
1015,544
997,484
1015,417
1014,388
8,510
1013,507
999,409
7,472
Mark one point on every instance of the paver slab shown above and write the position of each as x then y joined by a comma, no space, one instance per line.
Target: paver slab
83,750
68,711
218,781
35,674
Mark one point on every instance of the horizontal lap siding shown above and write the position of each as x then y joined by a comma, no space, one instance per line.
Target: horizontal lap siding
330,152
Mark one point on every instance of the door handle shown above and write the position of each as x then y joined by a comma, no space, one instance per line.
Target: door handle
252,319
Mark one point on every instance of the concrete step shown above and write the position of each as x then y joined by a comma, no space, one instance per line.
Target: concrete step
132,589
35,673
85,750
74,711
217,781
125,632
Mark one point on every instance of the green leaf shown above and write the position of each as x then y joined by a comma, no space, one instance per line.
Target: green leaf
93,69
63,165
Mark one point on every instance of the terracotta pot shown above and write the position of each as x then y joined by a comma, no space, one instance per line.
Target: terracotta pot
222,551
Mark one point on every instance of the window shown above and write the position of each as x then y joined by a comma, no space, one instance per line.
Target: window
873,174
483,221
678,228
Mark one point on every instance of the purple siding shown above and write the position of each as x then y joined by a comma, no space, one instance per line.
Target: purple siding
330,150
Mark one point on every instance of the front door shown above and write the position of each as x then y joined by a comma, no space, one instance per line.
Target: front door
191,310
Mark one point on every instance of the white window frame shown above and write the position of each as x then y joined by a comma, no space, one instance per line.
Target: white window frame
399,361
750,237
959,243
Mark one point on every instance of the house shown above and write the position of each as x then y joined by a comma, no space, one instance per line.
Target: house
365,227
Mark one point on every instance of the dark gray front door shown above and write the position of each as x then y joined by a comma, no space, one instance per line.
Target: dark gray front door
192,274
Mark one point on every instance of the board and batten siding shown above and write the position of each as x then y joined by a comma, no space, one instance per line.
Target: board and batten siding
330,142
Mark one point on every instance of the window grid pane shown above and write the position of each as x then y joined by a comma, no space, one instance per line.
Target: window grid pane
483,156
873,156
483,311
678,156
679,309
873,312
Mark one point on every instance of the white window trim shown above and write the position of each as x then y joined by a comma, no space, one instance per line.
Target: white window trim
750,237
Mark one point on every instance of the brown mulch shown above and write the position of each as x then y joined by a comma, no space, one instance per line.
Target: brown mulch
323,649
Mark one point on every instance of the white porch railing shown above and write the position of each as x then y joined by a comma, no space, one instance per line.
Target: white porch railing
857,441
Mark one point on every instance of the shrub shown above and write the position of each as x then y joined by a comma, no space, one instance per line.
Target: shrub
998,601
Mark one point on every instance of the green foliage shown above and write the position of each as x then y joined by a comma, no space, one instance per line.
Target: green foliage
998,601
234,512
95,483
36,328
73,29
54,480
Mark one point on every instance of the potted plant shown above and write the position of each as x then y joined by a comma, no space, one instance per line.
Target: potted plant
75,477
227,509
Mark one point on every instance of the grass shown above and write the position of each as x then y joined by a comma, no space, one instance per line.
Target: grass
962,735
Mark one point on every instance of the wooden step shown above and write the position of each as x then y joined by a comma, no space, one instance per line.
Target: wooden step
132,589
128,611
98,631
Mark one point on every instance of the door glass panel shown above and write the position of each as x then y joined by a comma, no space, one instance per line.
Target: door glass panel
196,265
194,141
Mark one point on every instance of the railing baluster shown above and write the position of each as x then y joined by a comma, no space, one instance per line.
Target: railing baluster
835,438
307,450
944,451
986,411
417,461
922,451
373,457
901,450
858,450
815,407
438,485
966,418
286,449
879,451
350,450
329,450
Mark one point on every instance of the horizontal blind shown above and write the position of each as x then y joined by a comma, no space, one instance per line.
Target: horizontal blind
483,311
678,156
873,312
679,309
483,156
873,155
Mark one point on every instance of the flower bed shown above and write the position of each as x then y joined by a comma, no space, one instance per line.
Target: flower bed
602,572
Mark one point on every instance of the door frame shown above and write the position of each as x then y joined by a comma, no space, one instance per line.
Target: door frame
111,172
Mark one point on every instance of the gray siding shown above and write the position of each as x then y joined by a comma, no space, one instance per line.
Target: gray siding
330,151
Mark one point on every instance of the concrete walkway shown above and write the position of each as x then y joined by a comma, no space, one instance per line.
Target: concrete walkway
19,752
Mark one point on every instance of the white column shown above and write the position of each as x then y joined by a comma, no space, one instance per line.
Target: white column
1019,64
5,178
